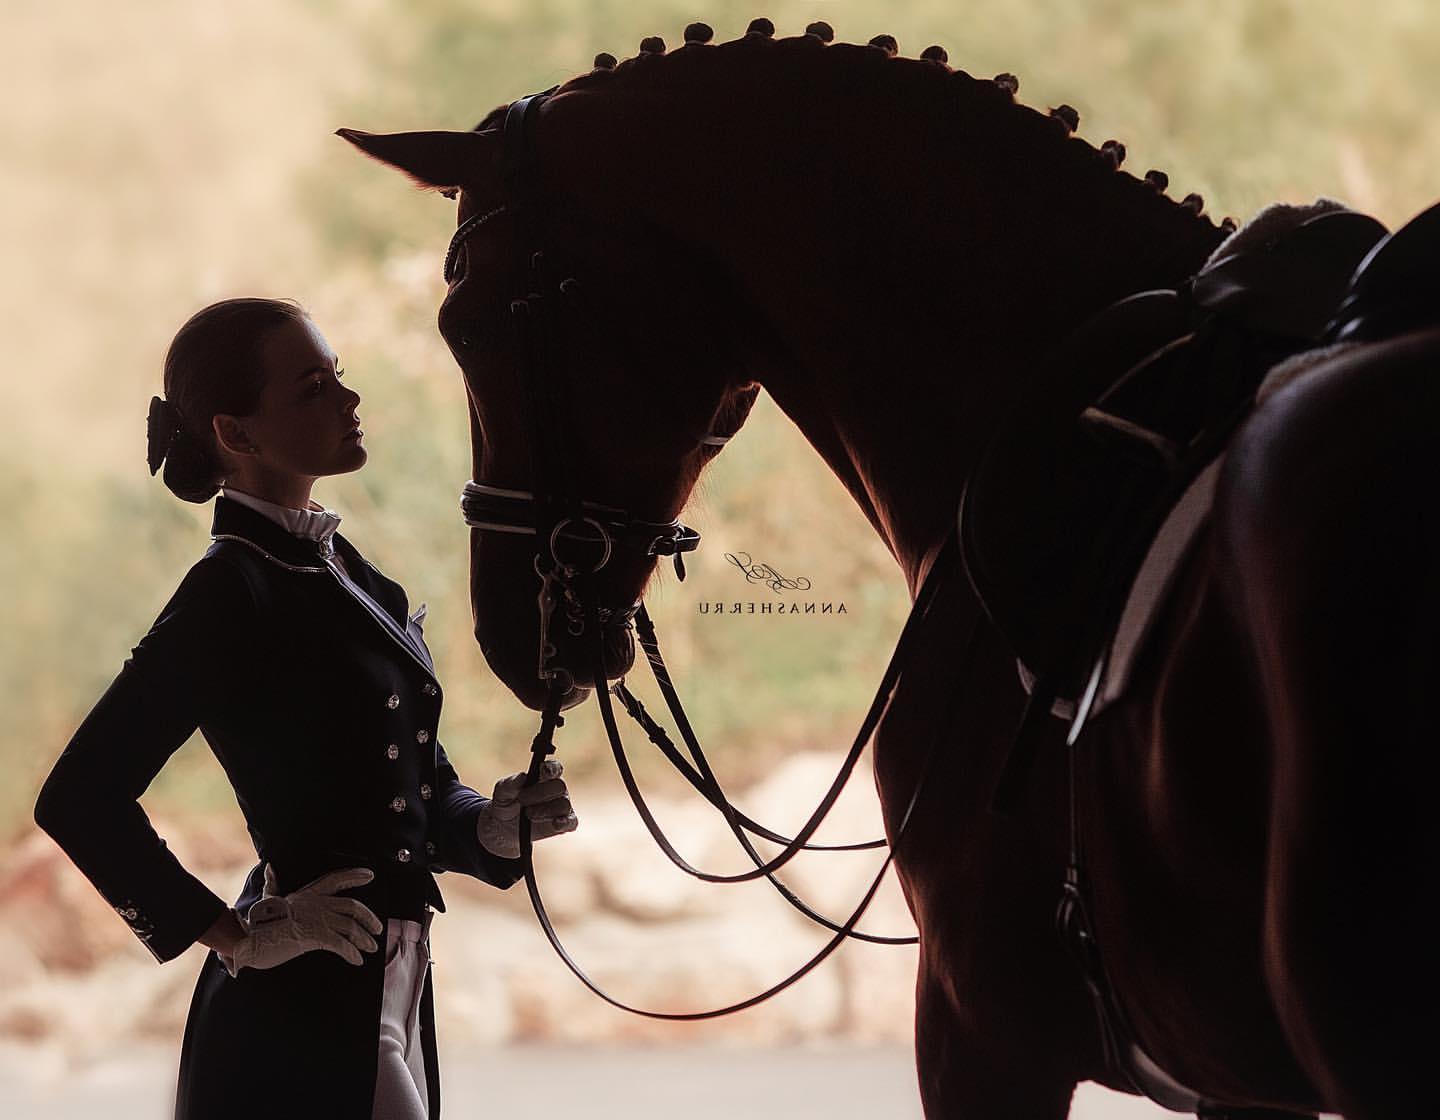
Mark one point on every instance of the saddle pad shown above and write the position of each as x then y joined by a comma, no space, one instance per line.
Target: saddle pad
1154,579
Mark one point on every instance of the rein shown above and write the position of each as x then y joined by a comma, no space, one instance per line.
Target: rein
555,516
543,746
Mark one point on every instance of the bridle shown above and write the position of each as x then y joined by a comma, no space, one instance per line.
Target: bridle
503,510
564,526
553,513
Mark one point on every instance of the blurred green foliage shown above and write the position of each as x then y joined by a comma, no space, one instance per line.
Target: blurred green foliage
1245,101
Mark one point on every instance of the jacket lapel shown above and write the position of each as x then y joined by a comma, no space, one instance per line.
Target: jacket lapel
381,598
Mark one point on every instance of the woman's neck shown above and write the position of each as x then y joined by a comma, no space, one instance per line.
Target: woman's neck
291,493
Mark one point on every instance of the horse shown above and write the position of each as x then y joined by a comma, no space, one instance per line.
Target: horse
894,250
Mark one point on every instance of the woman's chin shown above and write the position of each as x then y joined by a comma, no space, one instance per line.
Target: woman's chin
354,456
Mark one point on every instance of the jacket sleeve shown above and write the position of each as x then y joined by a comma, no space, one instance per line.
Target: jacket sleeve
90,802
459,808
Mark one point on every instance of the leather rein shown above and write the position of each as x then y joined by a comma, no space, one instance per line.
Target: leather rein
562,524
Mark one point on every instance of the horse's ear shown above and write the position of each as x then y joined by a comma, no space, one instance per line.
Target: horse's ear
438,160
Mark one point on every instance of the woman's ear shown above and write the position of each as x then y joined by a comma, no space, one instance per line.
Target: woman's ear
231,437
443,161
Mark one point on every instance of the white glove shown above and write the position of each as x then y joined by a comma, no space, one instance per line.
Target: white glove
546,804
279,928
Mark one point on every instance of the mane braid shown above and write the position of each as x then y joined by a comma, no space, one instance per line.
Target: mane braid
1095,166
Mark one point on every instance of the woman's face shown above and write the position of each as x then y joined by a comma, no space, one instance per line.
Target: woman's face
305,424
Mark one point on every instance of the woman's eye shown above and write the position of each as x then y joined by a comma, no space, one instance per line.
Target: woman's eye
319,383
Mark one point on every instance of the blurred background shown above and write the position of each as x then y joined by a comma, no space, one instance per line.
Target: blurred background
166,153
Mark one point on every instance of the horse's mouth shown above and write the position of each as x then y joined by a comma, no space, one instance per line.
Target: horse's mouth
575,658
534,692
577,654
574,696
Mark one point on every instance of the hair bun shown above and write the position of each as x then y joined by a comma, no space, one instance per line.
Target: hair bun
162,425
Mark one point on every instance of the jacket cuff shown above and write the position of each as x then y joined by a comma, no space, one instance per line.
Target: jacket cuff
500,871
185,921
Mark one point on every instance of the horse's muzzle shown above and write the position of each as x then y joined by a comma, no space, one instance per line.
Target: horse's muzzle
576,655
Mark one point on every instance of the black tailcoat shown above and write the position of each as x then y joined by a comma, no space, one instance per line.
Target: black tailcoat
317,694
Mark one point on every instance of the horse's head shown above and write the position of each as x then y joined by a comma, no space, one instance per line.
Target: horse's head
615,387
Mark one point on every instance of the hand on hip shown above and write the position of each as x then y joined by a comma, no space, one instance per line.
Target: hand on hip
279,927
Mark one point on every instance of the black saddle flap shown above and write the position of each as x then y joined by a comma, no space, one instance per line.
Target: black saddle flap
1043,488
1062,504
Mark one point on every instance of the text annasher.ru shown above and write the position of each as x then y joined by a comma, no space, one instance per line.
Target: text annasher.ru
767,607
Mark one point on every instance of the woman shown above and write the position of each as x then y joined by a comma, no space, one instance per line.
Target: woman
304,669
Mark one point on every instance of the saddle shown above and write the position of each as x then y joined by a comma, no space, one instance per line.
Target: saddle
1057,515
1073,487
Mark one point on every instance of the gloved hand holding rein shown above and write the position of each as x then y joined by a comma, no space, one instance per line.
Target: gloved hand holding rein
546,804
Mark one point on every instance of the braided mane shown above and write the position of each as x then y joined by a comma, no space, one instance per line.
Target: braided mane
989,105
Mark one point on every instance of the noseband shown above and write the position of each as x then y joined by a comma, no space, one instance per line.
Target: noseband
513,511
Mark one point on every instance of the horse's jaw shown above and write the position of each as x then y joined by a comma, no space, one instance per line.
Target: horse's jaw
535,693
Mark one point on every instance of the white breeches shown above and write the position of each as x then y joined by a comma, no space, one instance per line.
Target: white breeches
400,1092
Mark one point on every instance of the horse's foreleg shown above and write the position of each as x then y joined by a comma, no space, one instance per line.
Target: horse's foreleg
1003,1029
1329,512
971,1067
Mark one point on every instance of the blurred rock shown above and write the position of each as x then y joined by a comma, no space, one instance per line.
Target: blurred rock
50,916
73,979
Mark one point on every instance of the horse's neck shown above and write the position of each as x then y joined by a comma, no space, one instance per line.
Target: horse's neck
911,240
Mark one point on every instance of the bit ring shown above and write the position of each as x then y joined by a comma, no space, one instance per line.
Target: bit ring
605,539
